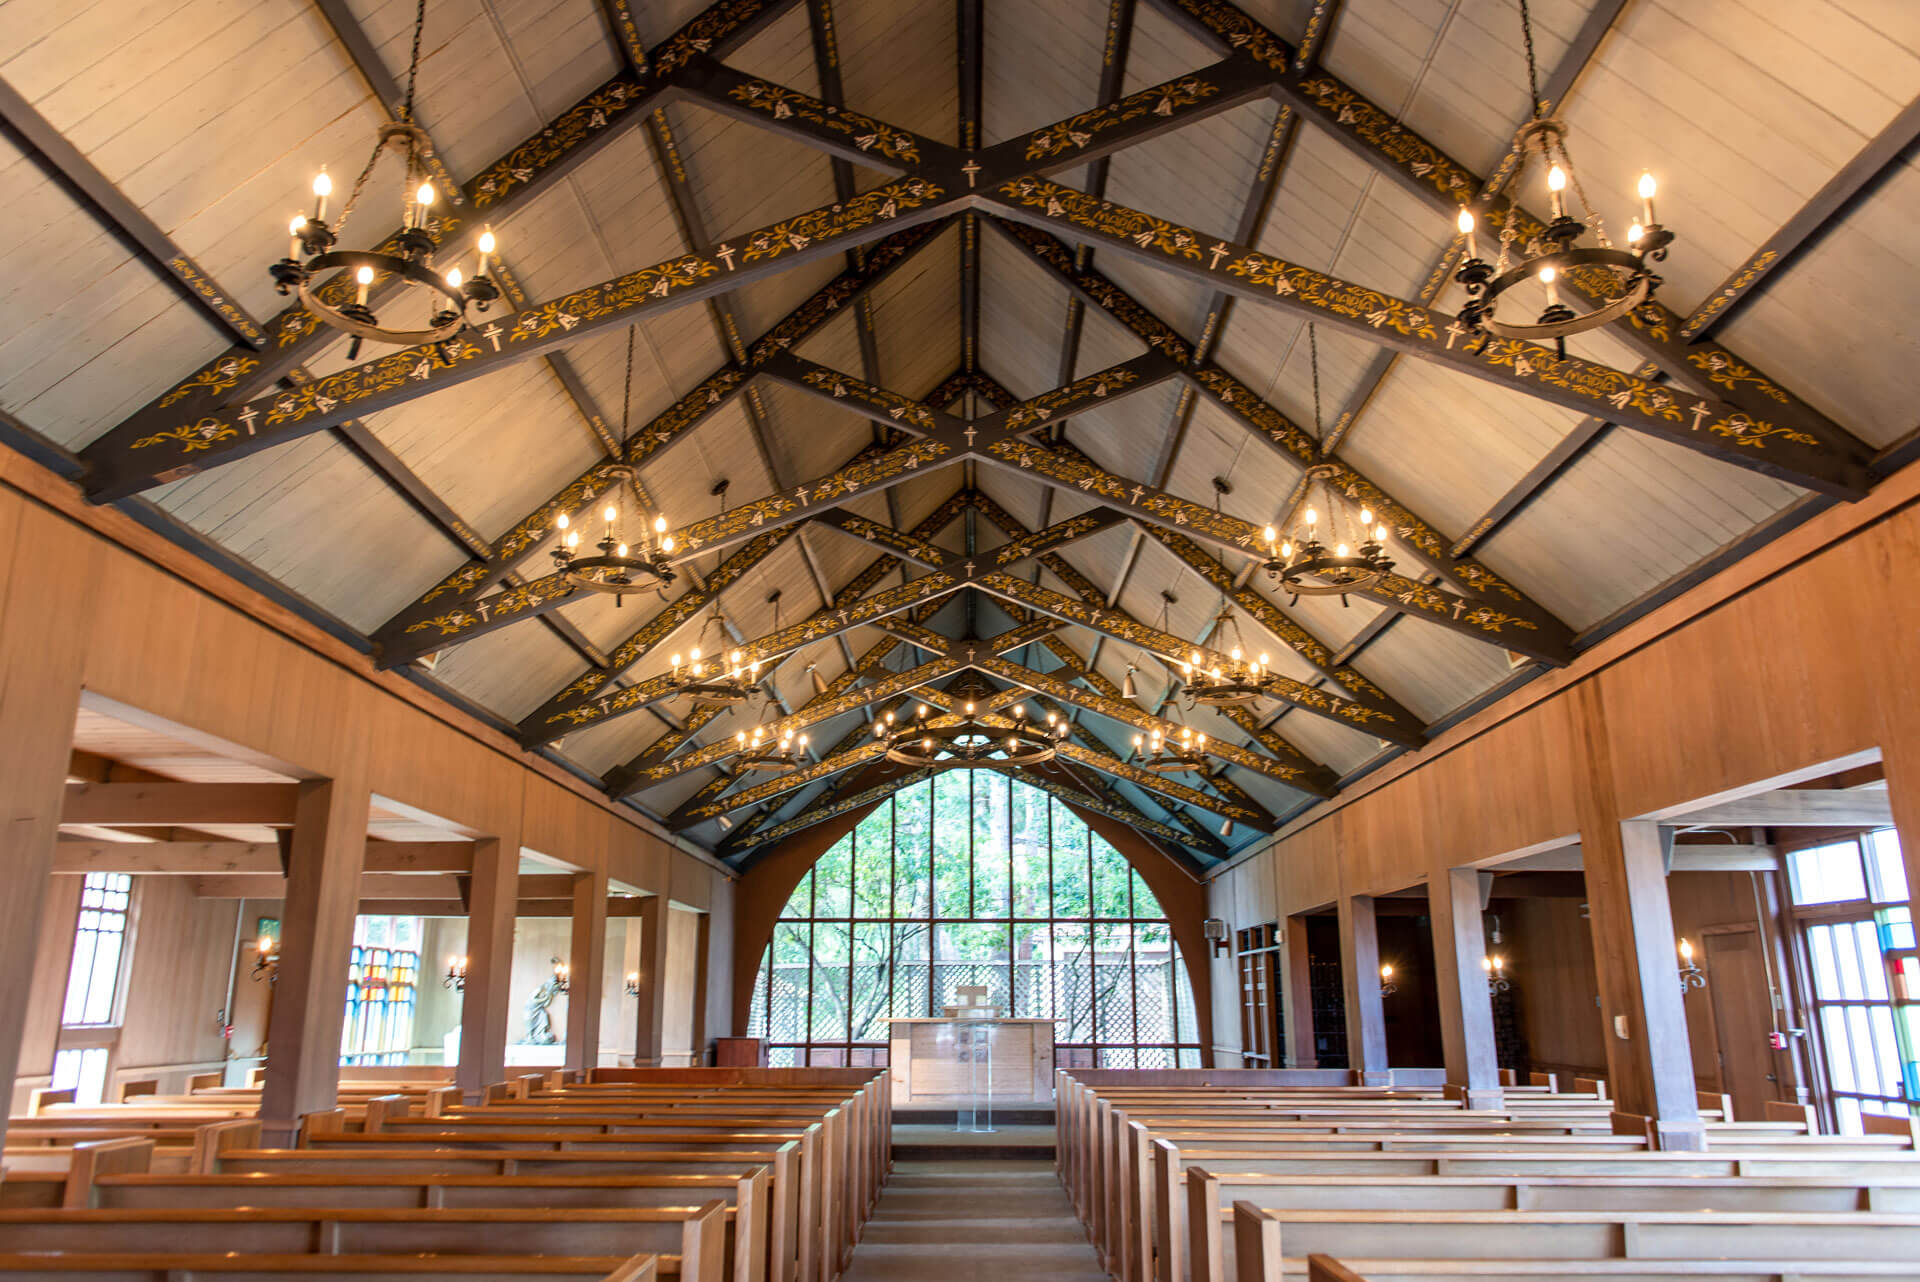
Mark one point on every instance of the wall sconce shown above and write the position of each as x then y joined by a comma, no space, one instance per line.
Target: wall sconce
1387,987
559,976
633,983
266,960
1496,968
1215,931
1691,976
456,975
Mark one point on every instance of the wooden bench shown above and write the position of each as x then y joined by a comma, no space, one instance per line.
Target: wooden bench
1322,1268
146,1266
690,1242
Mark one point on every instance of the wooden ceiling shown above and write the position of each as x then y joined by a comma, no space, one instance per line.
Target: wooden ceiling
919,280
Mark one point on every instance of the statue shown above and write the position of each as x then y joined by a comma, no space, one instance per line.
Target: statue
539,1018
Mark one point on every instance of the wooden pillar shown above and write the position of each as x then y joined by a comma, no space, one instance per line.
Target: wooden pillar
1360,973
45,618
703,964
316,936
1466,1009
586,970
1649,1058
653,983
1296,997
1901,760
486,1007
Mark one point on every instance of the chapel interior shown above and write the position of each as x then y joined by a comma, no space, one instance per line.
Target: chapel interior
764,640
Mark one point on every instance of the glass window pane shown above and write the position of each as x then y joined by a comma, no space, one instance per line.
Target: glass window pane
991,857
912,891
1847,963
1886,1048
787,1001
1827,874
1069,869
1826,979
911,992
1866,1065
832,947
1112,882
952,843
1032,972
970,953
1113,982
1030,876
1873,971
1073,982
1144,904
873,863
872,969
1833,1032
1849,1111
1153,984
1886,872
800,903
833,880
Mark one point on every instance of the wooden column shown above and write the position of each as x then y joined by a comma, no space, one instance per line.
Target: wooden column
586,970
45,583
1296,997
1901,759
486,1008
1360,973
1649,1058
1466,1010
316,936
653,984
703,965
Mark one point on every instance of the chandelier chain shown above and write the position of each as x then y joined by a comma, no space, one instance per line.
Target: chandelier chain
1313,362
413,61
406,118
626,401
1536,106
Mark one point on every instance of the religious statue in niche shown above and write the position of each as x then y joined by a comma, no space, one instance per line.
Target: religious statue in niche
539,1017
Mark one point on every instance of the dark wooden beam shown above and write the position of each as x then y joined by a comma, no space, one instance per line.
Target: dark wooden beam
1521,494
62,162
1865,174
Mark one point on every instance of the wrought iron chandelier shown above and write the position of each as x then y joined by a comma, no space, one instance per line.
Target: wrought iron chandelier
728,678
1621,277
1183,753
1242,679
972,742
311,253
760,751
636,564
1338,556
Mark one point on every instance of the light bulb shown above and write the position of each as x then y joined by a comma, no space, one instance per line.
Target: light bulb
424,196
1486,964
742,738
1313,517
622,551
1547,277
573,539
969,707
1646,198
1366,516
1634,232
1286,549
889,718
1465,222
1386,972
921,711
666,543
294,229
926,745
675,660
659,525
1200,741
1379,534
612,513
323,185
1340,549
735,657
487,242
1556,179
1268,534
362,278
803,743
1196,659
1235,655
1137,741
1020,710
562,521
1263,658
1686,948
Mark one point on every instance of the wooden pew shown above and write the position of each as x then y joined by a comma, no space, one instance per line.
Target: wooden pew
1323,1268
690,1242
149,1267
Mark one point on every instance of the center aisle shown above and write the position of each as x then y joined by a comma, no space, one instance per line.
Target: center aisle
952,1217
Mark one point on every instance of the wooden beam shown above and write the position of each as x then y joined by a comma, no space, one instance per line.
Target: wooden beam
497,191
617,906
61,161
1521,494
206,858
379,886
1869,169
179,803
841,133
1707,424
1796,808
142,454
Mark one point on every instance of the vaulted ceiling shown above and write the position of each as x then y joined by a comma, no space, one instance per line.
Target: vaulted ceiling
993,319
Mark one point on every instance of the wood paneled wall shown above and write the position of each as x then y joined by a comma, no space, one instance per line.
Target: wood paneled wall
1800,656
86,592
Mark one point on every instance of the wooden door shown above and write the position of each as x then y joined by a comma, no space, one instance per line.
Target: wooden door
1737,983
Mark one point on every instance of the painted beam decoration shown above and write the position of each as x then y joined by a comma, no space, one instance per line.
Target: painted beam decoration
1296,771
1124,627
902,544
126,461
827,623
1056,536
1102,387
868,400
1703,423
816,711
838,131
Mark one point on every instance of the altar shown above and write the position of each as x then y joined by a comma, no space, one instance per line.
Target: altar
933,1060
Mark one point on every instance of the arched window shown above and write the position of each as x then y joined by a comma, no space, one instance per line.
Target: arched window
972,878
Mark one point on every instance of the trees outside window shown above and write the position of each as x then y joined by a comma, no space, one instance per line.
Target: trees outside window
971,878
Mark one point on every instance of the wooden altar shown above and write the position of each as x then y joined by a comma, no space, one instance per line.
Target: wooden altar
931,1063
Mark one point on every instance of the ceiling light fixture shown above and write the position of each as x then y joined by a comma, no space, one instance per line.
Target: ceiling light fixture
1339,555
636,563
973,742
1620,277
1241,679
1180,753
726,678
760,751
311,252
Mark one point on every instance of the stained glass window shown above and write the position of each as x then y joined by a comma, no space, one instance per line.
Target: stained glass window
974,879
383,974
